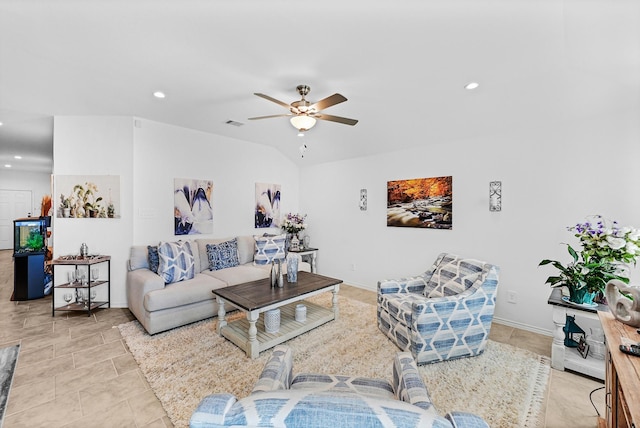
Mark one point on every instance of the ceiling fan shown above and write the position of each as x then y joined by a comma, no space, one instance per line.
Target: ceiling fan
304,113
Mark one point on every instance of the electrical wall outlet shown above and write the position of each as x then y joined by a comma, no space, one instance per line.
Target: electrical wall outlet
512,296
353,266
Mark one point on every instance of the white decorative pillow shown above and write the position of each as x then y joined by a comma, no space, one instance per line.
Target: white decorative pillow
176,261
269,248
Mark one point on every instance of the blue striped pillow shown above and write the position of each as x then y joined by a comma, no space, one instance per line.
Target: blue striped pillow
176,261
269,248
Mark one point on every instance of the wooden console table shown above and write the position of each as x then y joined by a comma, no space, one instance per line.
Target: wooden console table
623,375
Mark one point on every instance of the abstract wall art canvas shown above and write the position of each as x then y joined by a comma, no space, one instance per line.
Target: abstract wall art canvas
267,206
87,196
193,213
420,202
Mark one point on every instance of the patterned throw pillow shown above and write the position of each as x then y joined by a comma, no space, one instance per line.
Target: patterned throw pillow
176,261
223,255
269,248
154,259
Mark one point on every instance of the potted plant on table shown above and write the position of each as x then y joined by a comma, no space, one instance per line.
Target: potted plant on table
607,249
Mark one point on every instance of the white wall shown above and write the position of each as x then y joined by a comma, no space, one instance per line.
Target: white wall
95,146
551,179
39,183
148,156
164,152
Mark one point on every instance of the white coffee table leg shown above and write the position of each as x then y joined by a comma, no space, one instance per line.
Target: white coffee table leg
222,321
336,310
254,346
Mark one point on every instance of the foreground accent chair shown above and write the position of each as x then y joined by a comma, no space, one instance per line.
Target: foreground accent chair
443,314
319,401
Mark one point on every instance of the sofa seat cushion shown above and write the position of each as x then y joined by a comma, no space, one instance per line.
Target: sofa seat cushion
181,293
401,305
343,384
238,274
312,409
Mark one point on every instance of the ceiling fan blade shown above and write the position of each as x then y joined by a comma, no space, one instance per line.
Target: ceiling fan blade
344,120
267,97
270,116
328,102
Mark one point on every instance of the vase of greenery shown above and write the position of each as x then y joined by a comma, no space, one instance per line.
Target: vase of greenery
607,249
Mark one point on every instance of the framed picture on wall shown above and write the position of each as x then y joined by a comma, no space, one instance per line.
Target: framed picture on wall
193,213
87,196
267,205
420,202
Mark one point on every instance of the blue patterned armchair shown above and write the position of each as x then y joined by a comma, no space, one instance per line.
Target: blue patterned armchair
443,314
319,401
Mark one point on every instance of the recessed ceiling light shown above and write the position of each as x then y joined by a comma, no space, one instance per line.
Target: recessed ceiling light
159,94
1,123
6,165
471,85
17,157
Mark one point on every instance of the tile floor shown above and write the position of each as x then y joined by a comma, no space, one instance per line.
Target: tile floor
75,371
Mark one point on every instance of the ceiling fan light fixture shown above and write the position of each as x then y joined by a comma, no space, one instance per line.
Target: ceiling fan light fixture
303,122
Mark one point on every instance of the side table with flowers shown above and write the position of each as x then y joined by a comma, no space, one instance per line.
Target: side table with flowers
607,250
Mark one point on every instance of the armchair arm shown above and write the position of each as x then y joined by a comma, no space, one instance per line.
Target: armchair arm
407,383
277,372
212,411
414,284
466,420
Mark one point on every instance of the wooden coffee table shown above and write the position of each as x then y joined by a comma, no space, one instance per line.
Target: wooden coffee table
256,297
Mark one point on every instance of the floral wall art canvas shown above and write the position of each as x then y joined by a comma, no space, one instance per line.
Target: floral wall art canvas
87,196
267,206
193,213
420,202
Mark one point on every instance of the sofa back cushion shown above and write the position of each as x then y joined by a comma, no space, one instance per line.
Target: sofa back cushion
176,261
454,275
321,409
268,249
138,258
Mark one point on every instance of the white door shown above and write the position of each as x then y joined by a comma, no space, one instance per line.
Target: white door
13,204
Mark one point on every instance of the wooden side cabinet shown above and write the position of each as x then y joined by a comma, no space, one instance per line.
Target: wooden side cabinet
622,381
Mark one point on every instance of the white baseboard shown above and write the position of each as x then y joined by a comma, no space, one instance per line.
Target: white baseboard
521,326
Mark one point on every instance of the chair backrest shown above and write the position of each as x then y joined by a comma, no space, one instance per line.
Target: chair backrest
453,275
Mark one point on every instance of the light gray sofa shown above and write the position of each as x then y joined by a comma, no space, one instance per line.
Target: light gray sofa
159,306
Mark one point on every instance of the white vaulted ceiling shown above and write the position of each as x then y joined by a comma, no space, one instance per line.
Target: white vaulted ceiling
402,65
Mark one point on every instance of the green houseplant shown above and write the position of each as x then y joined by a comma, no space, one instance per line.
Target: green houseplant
607,248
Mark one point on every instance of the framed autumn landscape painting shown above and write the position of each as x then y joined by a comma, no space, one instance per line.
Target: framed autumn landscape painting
420,202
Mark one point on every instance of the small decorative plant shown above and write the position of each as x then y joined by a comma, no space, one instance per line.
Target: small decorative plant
606,248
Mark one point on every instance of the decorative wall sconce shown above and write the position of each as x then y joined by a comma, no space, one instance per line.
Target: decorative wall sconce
495,196
363,199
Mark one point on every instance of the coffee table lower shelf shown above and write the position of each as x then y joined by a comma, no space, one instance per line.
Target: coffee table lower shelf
237,331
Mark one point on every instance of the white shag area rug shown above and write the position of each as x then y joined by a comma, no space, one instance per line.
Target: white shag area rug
505,385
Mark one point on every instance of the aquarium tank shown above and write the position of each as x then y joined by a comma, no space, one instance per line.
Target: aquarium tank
29,235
